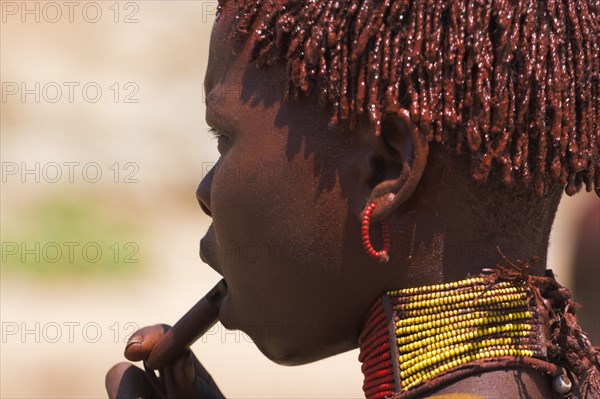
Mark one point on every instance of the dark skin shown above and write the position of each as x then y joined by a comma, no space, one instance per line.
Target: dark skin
287,239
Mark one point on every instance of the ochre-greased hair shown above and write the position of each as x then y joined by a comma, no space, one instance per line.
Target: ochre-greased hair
516,82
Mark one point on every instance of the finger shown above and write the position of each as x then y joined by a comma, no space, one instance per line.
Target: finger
125,381
183,373
192,380
142,341
169,383
201,371
205,385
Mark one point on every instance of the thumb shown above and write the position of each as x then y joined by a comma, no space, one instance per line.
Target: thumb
143,340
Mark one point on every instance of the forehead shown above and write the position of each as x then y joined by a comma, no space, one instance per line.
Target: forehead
220,52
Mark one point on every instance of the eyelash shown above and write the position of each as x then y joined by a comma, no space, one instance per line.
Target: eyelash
215,132
221,139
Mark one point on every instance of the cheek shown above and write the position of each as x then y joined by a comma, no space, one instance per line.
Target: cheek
255,193
277,229
260,199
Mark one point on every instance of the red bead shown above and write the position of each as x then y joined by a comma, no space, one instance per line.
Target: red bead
382,256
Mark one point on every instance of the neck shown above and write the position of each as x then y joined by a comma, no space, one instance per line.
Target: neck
450,255
447,240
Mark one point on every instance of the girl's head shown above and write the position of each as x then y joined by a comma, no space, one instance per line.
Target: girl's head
462,121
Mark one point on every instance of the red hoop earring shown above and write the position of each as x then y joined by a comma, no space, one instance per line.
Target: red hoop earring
383,255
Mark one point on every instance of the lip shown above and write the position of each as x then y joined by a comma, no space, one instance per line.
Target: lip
209,250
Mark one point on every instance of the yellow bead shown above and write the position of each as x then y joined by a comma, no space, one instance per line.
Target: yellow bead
433,333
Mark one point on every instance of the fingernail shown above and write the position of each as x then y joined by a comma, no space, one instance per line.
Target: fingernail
189,369
136,340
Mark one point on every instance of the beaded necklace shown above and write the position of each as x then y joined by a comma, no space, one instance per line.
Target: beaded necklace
414,336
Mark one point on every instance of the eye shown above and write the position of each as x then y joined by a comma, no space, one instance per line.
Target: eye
222,140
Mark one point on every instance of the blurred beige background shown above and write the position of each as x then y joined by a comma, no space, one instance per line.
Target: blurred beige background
103,143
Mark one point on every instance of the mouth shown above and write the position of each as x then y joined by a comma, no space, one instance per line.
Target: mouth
209,254
209,250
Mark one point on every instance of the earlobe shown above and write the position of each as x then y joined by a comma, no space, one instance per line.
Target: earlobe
402,157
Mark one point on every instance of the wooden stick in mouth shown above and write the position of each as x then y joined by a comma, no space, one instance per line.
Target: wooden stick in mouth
195,323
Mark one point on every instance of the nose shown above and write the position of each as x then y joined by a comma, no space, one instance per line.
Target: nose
203,191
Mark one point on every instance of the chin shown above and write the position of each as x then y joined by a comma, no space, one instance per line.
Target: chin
290,345
299,351
225,317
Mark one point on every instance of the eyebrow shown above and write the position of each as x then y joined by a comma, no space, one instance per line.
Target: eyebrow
218,116
211,97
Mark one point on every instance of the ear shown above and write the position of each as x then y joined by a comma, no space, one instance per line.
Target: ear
398,161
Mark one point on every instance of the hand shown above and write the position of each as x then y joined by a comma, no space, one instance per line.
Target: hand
185,377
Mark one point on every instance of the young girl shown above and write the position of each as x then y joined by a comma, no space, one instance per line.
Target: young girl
409,159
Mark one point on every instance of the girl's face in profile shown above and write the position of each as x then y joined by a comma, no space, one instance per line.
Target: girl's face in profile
285,198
